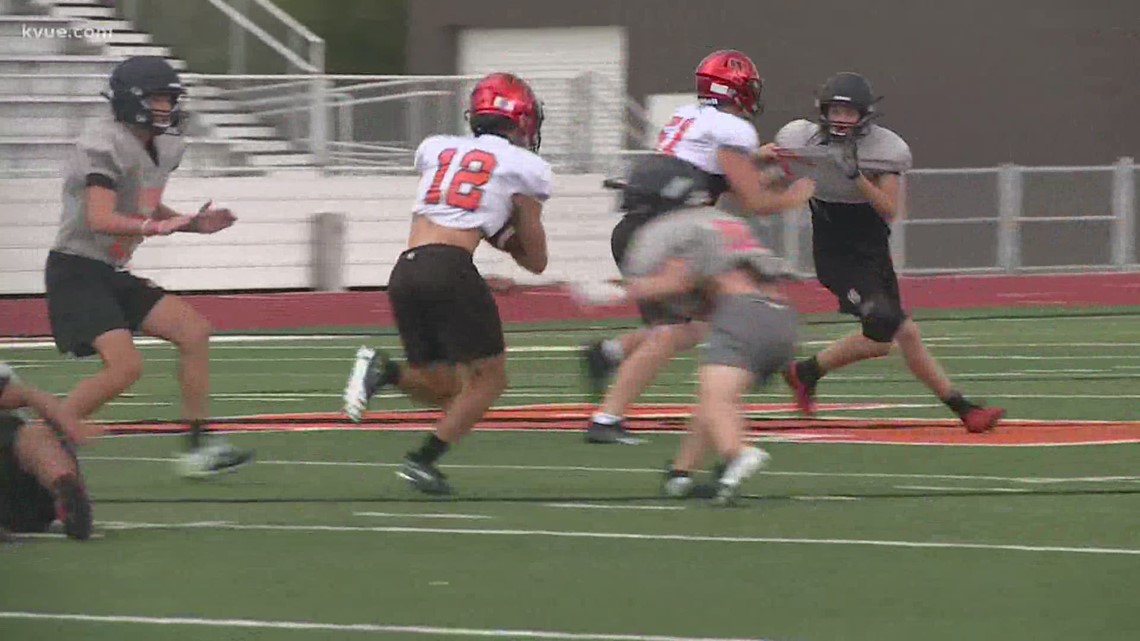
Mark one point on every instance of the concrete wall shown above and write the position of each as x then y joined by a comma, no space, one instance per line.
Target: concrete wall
269,247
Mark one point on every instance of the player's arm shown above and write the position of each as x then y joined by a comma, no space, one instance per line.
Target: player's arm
883,193
208,220
16,395
674,277
750,185
530,250
102,217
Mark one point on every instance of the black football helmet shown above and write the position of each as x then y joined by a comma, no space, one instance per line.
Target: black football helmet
134,81
851,89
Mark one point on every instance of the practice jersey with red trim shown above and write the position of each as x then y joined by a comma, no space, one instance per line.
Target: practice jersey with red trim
696,132
466,182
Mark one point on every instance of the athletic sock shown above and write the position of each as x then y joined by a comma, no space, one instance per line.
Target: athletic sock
601,418
808,371
431,450
197,433
957,403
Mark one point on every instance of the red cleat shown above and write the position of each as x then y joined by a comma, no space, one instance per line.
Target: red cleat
805,394
982,419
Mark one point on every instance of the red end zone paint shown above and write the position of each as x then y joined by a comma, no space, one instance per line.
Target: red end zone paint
673,417
28,316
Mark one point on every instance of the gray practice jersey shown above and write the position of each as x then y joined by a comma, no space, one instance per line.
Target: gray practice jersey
880,151
710,241
108,148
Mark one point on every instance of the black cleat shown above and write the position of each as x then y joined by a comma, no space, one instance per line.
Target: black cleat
609,434
424,477
598,369
73,508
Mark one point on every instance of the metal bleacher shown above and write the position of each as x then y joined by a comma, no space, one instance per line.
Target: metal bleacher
54,61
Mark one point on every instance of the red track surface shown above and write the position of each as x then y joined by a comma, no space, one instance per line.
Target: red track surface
28,316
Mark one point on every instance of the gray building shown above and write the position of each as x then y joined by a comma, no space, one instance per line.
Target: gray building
967,83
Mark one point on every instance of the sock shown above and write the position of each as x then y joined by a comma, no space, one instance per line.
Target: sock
391,374
197,431
809,371
674,473
601,418
58,484
957,403
431,450
612,350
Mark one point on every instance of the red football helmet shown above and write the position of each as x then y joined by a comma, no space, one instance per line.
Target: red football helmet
728,76
507,95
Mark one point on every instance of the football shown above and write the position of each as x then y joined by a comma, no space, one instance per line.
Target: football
506,239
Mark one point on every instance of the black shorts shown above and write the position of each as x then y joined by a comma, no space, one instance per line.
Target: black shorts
25,505
652,312
857,276
87,298
444,310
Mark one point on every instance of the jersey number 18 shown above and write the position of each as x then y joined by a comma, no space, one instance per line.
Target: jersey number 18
464,190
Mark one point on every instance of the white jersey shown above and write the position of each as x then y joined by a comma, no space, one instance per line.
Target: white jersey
696,132
466,182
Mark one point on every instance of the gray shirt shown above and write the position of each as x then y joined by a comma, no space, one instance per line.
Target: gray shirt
109,149
880,151
712,242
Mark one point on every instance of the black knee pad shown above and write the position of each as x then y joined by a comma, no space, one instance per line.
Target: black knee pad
881,320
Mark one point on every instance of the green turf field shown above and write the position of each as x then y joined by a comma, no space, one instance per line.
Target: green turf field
551,538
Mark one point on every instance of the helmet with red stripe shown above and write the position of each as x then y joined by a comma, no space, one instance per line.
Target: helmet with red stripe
504,104
728,77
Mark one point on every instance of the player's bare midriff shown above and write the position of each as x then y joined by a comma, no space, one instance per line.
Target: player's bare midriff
425,232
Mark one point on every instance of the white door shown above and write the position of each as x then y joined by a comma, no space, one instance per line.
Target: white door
550,60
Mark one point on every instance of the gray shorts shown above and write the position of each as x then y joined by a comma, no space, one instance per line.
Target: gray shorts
753,333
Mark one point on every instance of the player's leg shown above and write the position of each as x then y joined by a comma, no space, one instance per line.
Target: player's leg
173,319
88,319
665,339
861,290
751,338
42,457
122,366
601,358
976,417
446,314
375,370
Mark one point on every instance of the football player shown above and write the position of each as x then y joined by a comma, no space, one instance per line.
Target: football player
751,335
39,475
856,165
112,201
709,148
488,186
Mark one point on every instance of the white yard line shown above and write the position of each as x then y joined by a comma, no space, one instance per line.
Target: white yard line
684,538
375,628
604,506
425,515
947,488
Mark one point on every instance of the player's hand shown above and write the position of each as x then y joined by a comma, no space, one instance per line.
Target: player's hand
846,157
213,221
801,190
769,152
166,226
589,293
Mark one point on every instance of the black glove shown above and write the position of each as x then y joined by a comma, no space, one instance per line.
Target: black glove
846,156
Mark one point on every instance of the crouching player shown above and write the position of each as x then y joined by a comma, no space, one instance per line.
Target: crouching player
751,336
39,476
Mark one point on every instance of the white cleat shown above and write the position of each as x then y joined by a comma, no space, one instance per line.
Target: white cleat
747,463
355,391
216,457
